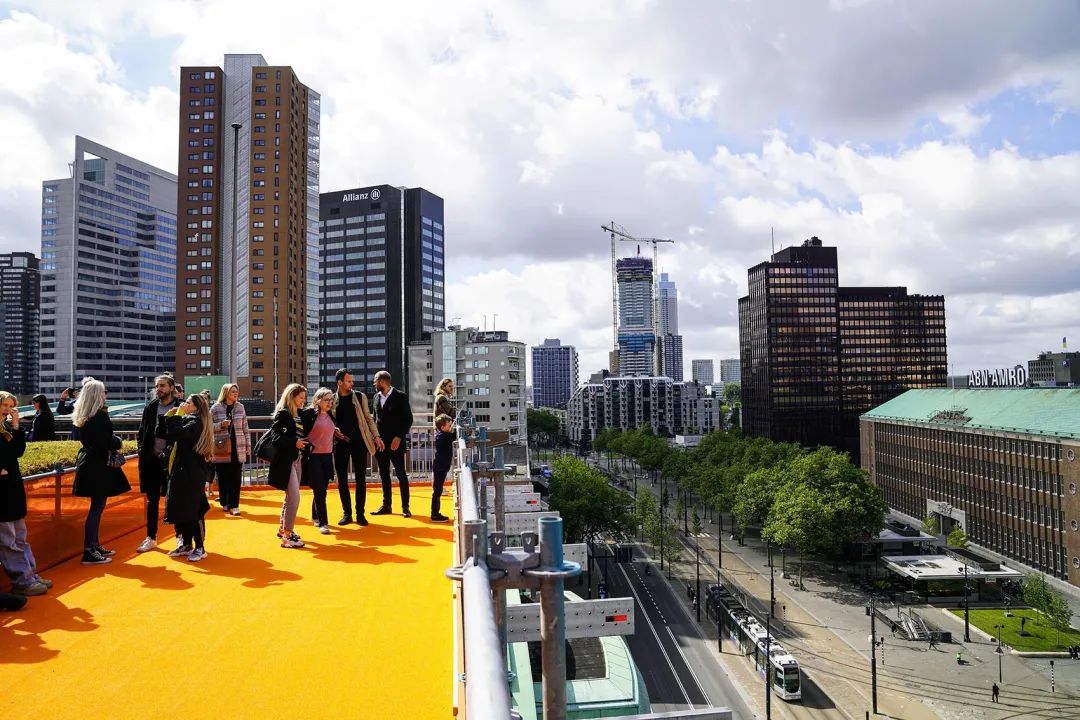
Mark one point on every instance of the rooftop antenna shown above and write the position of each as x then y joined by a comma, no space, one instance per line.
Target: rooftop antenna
772,239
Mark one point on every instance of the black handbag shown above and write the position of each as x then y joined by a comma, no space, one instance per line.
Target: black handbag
116,459
265,449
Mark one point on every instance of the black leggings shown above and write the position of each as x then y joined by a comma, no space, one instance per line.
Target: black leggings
191,531
320,473
93,522
228,475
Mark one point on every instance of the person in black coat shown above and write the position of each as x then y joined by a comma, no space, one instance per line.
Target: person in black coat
444,459
44,427
95,477
190,433
393,419
15,554
153,454
287,435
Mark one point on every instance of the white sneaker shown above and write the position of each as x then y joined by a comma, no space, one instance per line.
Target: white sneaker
197,554
146,545
235,511
179,551
324,529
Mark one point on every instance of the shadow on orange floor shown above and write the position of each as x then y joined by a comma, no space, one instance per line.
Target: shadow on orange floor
370,606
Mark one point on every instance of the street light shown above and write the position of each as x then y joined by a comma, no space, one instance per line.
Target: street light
967,624
870,610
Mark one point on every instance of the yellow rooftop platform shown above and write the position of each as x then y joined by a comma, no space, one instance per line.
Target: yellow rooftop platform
357,624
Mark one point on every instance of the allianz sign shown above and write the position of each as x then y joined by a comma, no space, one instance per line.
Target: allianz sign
1001,377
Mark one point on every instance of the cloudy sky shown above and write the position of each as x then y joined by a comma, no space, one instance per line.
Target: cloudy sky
937,145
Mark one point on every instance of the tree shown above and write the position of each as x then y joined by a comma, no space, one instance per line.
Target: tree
590,507
1058,612
754,497
646,515
957,537
542,427
800,519
1036,592
930,524
732,392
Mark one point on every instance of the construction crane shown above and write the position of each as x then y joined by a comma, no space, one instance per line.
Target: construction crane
619,233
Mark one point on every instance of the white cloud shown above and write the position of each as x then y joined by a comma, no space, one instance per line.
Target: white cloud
539,121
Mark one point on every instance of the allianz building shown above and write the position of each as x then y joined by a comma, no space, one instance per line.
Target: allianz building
1004,463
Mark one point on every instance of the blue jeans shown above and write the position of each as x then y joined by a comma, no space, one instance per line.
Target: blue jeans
292,497
15,554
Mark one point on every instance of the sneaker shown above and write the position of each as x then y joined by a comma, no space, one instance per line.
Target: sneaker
179,551
34,588
289,542
384,510
146,545
325,530
293,536
280,533
235,511
406,513
104,551
93,557
180,543
361,520
345,520
197,554
439,517
43,581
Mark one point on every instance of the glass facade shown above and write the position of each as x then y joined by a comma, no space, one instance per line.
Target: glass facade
108,297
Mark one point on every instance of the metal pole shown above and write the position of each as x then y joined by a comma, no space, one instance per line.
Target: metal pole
967,626
772,597
232,254
873,655
552,622
697,590
768,652
497,478
485,680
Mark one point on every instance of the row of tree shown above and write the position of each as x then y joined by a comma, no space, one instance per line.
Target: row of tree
814,502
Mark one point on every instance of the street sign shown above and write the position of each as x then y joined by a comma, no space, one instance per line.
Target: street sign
584,618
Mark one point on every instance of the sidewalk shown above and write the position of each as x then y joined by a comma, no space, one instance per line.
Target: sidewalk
826,628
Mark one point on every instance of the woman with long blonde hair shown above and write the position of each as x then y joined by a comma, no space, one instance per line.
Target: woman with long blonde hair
190,431
289,440
96,475
230,445
444,400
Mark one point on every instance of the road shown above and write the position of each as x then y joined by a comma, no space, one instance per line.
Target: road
671,652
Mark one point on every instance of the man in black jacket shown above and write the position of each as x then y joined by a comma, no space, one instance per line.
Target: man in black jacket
152,453
393,418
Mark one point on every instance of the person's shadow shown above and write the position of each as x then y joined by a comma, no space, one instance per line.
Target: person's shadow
22,632
255,572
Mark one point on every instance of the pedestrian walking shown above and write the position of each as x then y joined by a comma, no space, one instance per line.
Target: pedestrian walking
356,441
231,438
933,642
190,433
287,438
320,430
994,691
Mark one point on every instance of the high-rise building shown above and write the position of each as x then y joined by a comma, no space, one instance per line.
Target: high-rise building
108,273
730,371
20,305
672,349
554,373
668,407
382,278
701,371
637,336
667,304
671,342
1054,369
488,370
248,204
815,355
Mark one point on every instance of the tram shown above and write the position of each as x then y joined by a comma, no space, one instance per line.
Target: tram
750,635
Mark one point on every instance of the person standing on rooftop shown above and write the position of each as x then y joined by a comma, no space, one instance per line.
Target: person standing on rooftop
97,476
153,453
231,438
15,554
356,441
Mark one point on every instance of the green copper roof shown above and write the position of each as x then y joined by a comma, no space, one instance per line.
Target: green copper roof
1035,411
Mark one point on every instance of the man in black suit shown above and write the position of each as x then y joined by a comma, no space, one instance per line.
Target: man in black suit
393,419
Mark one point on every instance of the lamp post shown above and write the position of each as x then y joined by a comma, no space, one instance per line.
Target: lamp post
870,610
232,254
768,650
967,624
